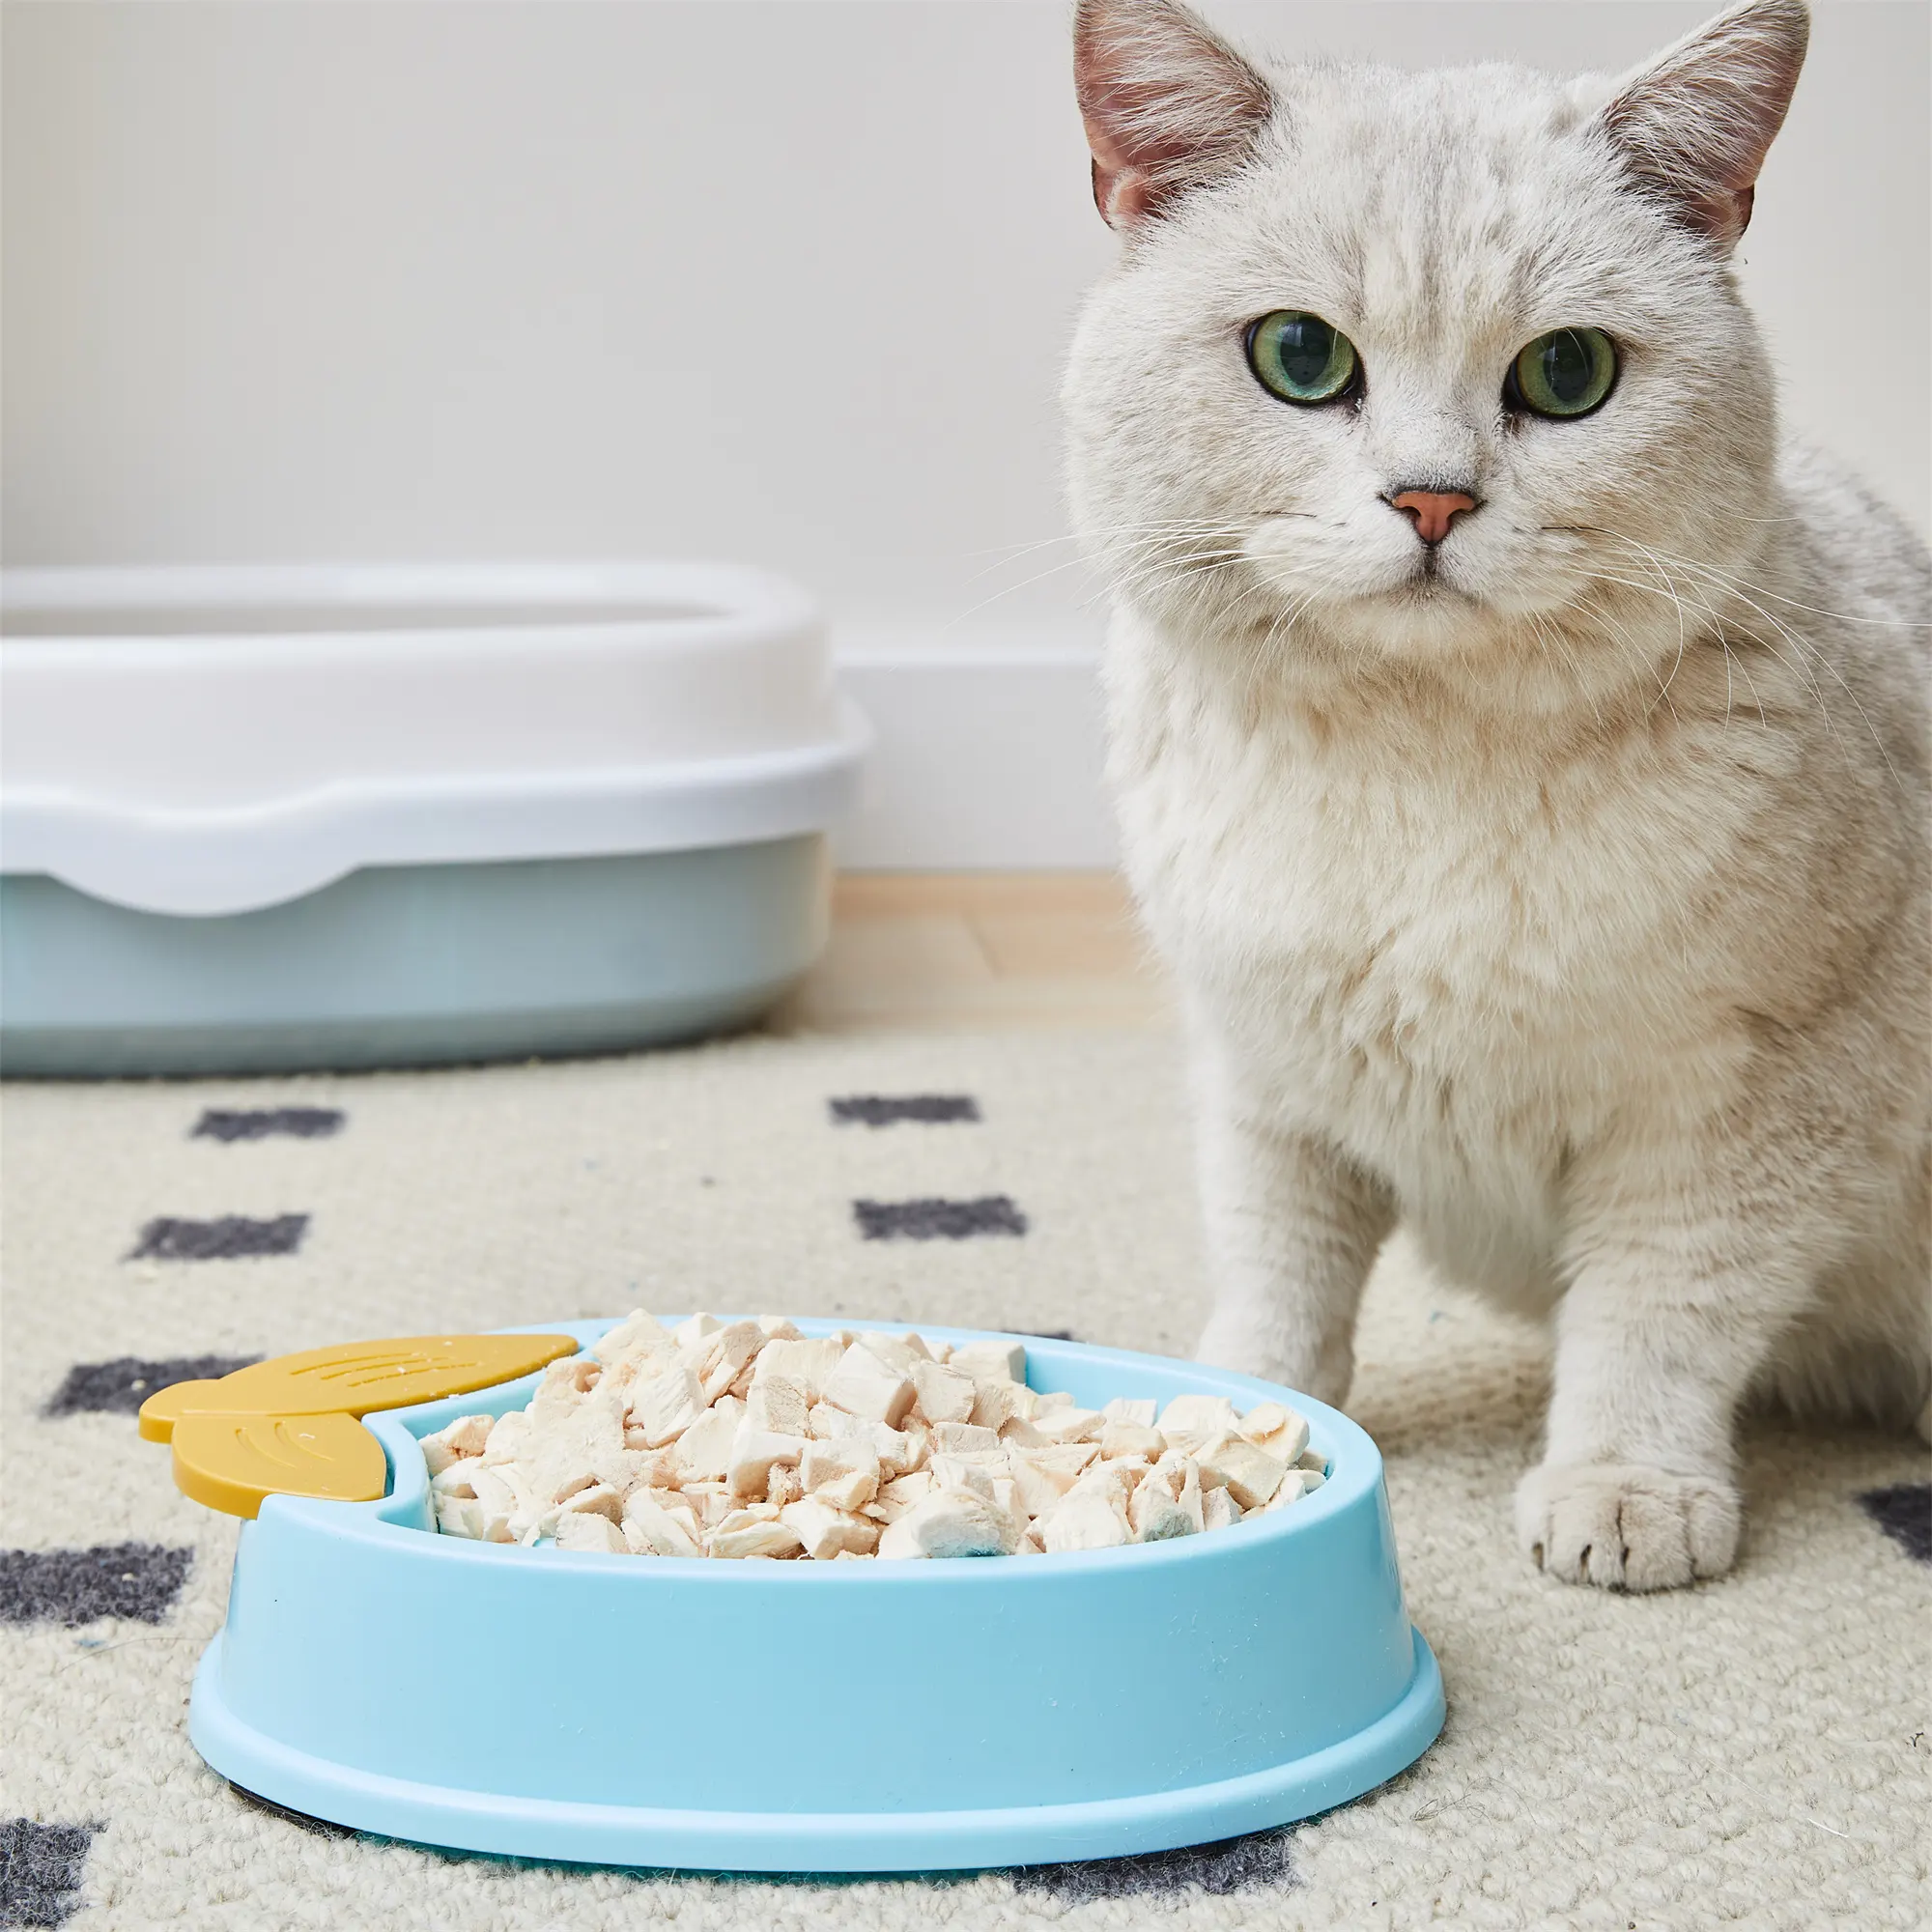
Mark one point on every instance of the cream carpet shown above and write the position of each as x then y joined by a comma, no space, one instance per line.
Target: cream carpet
1754,1752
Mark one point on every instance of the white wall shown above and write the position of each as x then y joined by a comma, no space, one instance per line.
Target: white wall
786,282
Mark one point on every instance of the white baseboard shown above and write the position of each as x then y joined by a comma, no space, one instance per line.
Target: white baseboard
988,756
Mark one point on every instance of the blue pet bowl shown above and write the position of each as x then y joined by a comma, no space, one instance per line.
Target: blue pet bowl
820,1717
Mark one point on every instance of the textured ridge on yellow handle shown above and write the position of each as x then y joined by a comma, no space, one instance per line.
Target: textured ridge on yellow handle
287,1426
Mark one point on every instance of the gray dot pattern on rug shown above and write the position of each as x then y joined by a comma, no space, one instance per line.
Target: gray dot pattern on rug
137,1580
261,1123
937,1220
1260,1860
41,1870
229,1237
884,1110
1904,1512
121,1386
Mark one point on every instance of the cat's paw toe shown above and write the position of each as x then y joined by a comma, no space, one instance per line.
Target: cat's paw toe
1627,1527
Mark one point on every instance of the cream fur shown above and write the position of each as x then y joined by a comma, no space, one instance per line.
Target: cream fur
1568,901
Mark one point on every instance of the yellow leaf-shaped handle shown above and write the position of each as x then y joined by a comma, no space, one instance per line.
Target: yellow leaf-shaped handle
357,1376
231,1461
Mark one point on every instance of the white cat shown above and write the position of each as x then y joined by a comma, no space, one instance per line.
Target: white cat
1521,750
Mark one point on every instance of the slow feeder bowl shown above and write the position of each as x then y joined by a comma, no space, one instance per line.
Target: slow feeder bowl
801,1717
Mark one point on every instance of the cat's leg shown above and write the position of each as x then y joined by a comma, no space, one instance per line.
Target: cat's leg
1292,1231
1678,1296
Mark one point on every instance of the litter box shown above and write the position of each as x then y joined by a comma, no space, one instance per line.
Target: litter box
820,1717
277,818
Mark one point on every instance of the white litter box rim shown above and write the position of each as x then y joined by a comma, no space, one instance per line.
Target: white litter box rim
768,772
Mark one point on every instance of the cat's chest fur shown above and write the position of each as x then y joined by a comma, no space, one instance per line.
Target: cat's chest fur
1456,952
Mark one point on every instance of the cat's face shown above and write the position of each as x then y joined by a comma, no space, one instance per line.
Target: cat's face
1422,232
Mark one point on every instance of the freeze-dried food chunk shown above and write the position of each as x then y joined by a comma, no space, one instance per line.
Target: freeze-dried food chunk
896,1497
460,1516
1087,1521
1190,1420
844,1472
744,1534
1140,1413
1070,1425
953,1522
704,1449
984,1360
630,1337
950,1437
467,1435
826,1532
893,1351
582,1531
650,1530
1219,1509
776,1405
945,1393
1155,1514
725,1355
755,1452
1130,1438
864,1386
691,1333
998,1401
599,1499
777,1328
508,1435
784,1485
667,1405
810,1364
1232,1463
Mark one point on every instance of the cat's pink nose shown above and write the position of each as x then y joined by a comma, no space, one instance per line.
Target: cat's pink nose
1434,510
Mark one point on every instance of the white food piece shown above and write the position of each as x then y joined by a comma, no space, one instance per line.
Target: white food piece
901,1451
467,1435
810,1364
784,1485
725,1356
1130,1438
974,1473
629,1338
945,1393
1083,1522
509,1433
990,1360
704,1449
667,1405
1155,1515
954,1522
746,1533
826,1532
755,1452
950,1437
824,1423
600,1500
1070,1425
778,1407
453,1480
891,1350
1219,1509
460,1516
1138,1411
896,1497
1232,1463
1313,1459
998,1402
842,1473
1311,1479
1189,1421
582,1531
864,1386
777,1328
1293,1490
690,1334
650,1530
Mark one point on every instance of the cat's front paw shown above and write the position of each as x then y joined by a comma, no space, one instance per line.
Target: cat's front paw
1626,1527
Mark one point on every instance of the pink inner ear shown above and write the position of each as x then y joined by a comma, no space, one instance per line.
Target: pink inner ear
1166,106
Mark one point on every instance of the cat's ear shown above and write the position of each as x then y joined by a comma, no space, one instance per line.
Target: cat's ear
1693,125
1168,104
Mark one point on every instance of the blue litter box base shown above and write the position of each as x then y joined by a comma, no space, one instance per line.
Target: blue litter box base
611,1835
412,965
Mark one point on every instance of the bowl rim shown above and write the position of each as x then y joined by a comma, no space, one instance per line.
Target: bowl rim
1354,1460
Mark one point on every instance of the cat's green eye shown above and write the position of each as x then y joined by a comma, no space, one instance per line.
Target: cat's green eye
1302,358
1567,373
